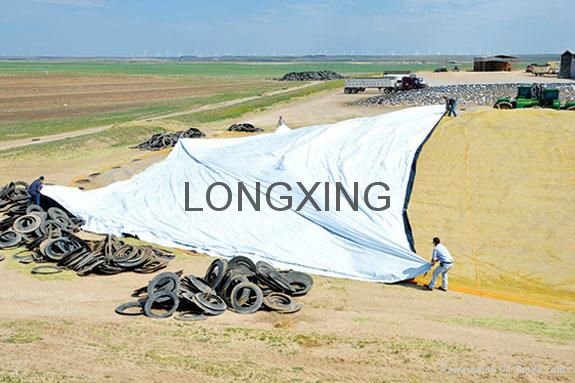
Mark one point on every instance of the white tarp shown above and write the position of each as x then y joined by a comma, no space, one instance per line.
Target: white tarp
363,244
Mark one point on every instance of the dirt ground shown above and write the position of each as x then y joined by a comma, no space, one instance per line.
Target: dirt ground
64,329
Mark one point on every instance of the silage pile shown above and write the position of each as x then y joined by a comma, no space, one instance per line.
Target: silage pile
498,188
472,94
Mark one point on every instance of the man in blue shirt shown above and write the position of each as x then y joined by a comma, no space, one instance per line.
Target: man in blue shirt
443,256
34,189
450,104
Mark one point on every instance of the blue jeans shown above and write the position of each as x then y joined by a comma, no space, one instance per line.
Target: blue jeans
36,198
452,110
442,269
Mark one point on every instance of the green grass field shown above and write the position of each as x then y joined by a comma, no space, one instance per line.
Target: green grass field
205,69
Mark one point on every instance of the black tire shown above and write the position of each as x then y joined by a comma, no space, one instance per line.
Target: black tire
196,285
209,303
24,259
33,208
231,280
281,303
572,107
167,300
503,105
190,316
55,213
9,238
347,91
58,248
164,282
46,270
240,260
271,277
215,273
249,305
27,223
122,309
301,283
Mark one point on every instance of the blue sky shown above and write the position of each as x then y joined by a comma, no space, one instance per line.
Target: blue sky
244,27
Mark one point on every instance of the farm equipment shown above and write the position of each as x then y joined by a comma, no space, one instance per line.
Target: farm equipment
552,67
529,96
387,83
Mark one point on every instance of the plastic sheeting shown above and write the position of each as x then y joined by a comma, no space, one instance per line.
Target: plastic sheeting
363,244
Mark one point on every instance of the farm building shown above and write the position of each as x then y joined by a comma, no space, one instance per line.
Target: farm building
498,63
567,69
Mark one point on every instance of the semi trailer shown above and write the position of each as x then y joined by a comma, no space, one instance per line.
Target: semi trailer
387,83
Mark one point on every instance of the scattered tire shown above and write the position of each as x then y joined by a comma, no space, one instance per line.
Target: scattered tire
9,238
164,282
46,270
189,316
246,298
215,273
130,309
164,301
282,303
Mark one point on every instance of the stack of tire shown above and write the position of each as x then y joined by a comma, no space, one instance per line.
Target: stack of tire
244,127
323,75
238,285
161,141
50,237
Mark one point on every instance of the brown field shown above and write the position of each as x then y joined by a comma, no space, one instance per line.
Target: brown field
53,96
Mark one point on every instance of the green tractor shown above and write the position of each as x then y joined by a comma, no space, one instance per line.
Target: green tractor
529,96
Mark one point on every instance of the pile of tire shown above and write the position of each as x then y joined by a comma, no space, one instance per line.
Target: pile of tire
324,75
238,285
161,141
50,237
244,127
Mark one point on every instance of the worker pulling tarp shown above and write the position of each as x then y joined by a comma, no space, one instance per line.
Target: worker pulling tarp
327,199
